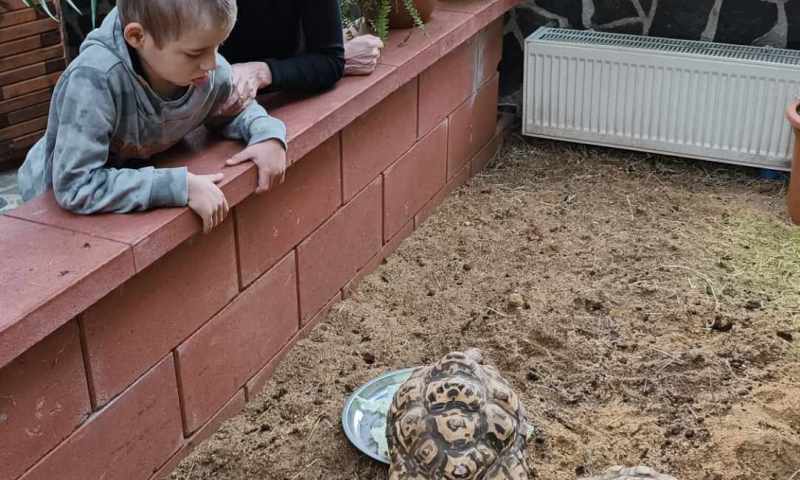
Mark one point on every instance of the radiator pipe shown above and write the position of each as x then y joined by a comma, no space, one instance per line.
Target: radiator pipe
793,199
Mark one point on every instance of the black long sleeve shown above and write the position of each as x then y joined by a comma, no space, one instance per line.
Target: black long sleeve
300,40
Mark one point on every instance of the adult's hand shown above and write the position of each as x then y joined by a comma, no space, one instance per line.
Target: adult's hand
361,55
248,79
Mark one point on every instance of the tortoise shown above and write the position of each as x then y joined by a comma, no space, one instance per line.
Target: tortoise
458,419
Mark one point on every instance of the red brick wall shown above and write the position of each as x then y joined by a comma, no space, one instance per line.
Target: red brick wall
31,60
152,369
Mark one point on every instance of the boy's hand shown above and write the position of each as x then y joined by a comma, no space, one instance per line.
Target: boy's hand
248,78
361,55
269,157
207,200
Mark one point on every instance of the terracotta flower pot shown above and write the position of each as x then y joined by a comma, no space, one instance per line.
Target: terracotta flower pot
793,199
399,17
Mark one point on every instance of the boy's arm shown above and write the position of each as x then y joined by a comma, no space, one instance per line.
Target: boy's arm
252,125
82,182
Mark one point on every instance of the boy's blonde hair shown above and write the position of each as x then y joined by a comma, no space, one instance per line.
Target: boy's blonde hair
167,20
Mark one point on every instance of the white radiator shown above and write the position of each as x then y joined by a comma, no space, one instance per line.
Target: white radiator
710,101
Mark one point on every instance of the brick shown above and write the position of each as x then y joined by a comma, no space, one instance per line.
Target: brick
23,128
29,43
26,100
29,86
471,126
50,276
27,29
257,383
20,16
129,439
313,119
231,409
220,357
34,111
446,85
333,254
11,5
378,138
486,154
483,11
270,225
32,57
413,180
387,250
31,71
153,234
412,52
129,330
489,52
43,398
458,180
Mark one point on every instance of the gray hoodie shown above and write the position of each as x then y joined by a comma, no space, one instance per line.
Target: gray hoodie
103,115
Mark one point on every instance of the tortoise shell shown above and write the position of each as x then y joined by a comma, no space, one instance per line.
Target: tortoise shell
457,420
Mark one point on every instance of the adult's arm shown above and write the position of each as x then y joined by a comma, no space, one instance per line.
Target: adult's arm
322,63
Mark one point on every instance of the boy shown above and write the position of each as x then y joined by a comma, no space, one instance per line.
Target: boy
143,80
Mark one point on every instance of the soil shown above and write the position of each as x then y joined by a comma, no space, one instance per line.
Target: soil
645,308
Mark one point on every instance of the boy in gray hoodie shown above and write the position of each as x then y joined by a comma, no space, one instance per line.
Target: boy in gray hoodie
143,80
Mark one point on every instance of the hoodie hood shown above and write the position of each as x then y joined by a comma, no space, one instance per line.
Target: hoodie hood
109,36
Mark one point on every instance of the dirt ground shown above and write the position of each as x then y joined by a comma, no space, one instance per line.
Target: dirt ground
646,309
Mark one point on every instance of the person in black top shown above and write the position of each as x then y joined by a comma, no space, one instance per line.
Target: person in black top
297,45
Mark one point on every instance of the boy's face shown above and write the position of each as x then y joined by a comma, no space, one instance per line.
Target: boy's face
178,63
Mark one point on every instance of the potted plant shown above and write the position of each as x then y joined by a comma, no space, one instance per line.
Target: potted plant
382,15
793,198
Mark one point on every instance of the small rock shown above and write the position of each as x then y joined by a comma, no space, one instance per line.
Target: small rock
369,358
754,305
467,267
721,324
515,300
674,430
785,335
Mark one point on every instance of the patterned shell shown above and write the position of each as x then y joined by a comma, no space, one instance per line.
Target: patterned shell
457,420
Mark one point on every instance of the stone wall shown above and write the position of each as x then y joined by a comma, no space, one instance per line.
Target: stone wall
774,23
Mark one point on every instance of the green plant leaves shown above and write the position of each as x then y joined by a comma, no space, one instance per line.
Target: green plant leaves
42,4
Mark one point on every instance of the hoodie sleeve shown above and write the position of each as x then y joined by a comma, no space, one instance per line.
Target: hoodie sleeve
82,182
252,125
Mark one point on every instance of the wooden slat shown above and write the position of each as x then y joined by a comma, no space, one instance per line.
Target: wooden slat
24,114
11,5
21,129
21,16
27,29
29,43
31,71
13,152
25,100
28,86
23,143
29,58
